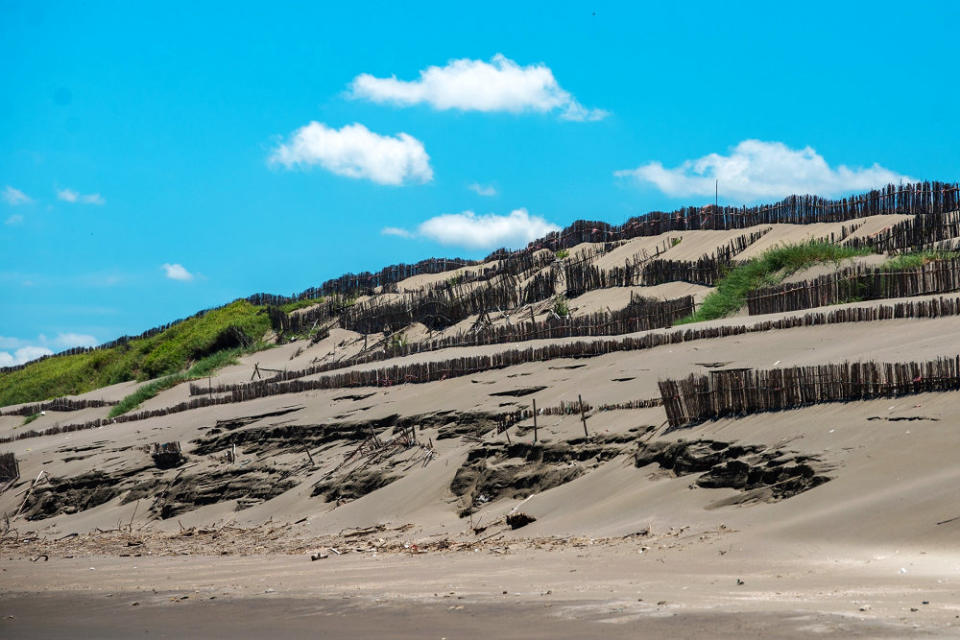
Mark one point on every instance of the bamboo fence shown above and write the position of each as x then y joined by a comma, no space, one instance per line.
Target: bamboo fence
855,284
738,392
57,404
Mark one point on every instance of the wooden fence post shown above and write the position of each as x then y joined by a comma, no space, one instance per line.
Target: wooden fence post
534,421
583,417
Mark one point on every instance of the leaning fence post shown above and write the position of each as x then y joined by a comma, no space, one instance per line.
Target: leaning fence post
583,417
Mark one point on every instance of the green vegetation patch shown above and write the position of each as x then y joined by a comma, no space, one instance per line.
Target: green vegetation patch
918,259
769,269
239,325
300,304
560,306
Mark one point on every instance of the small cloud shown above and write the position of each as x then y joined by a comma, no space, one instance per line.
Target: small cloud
755,169
69,195
93,198
14,219
70,340
177,272
473,231
356,152
396,231
476,85
483,189
14,197
22,356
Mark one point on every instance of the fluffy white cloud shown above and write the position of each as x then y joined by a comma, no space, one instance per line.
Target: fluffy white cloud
356,152
14,219
486,231
69,195
22,355
14,197
476,85
755,169
483,189
177,272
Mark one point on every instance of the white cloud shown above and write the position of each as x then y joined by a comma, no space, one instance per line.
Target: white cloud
22,355
69,195
487,190
476,85
474,231
177,272
20,351
356,152
14,197
14,219
756,169
70,340
396,231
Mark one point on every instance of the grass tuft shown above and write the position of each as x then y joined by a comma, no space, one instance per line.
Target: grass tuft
560,306
300,304
918,259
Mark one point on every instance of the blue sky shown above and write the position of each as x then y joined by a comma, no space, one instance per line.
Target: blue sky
160,158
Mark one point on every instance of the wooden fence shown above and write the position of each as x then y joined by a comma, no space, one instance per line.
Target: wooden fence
855,284
913,199
744,391
57,404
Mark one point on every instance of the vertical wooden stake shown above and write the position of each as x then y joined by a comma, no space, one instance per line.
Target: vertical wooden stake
306,450
506,432
583,417
534,421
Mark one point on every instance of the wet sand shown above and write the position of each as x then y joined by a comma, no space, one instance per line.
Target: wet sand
68,615
609,591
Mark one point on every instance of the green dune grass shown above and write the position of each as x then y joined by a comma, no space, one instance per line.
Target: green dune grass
206,341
